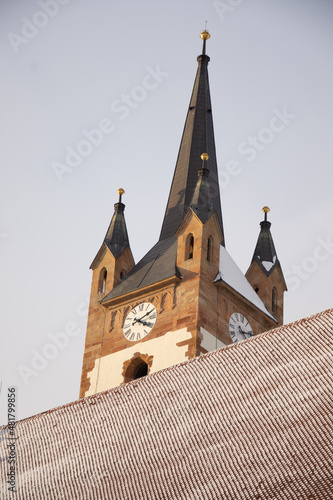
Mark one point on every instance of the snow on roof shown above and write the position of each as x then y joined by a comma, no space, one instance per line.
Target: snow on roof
231,274
267,264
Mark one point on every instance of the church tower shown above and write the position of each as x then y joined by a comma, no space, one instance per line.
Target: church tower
186,296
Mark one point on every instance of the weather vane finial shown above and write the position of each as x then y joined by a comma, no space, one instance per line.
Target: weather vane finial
204,35
120,191
266,210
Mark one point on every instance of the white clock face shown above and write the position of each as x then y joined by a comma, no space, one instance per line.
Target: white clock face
139,322
239,327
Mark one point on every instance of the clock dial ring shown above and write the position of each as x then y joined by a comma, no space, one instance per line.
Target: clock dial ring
239,327
139,321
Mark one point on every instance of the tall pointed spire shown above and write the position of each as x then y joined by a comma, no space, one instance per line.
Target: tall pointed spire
265,253
116,237
198,136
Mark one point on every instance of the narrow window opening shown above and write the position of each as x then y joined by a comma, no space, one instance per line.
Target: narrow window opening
256,289
102,281
210,249
122,275
189,247
274,300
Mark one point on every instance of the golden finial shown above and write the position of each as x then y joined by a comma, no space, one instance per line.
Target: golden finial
266,210
120,191
204,35
204,157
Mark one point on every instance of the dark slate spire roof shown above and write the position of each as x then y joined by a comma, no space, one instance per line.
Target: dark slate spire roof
116,238
265,253
202,201
198,137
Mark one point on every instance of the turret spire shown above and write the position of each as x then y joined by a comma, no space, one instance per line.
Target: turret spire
116,237
198,136
265,253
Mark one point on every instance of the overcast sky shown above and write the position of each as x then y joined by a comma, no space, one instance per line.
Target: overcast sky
127,68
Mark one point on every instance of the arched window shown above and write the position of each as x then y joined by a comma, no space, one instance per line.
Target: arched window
102,281
141,370
122,275
136,369
189,247
210,249
256,289
274,300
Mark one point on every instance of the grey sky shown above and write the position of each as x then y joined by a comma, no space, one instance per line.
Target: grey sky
268,58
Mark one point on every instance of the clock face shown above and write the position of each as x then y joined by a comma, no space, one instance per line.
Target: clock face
139,322
239,327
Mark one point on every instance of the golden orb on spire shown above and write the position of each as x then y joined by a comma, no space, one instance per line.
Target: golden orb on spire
204,35
204,157
120,191
266,210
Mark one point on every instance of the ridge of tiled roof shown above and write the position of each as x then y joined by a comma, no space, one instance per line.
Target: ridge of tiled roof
236,345
249,421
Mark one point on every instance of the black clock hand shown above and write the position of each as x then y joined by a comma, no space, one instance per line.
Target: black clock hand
137,321
149,312
244,333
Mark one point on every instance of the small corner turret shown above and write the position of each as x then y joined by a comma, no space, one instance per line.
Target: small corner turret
265,272
113,262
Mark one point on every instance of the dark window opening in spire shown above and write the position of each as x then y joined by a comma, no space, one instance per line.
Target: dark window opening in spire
122,275
210,249
256,289
102,281
189,247
274,300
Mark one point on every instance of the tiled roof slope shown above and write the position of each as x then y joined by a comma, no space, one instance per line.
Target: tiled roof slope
250,421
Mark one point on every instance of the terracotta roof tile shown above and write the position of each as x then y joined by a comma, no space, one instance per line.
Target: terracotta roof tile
250,421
